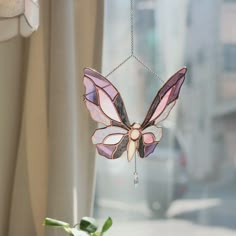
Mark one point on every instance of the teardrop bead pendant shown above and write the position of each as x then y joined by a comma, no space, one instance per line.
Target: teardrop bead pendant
136,180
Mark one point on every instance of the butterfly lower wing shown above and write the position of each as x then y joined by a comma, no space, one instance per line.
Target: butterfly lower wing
113,151
111,142
149,140
165,99
106,100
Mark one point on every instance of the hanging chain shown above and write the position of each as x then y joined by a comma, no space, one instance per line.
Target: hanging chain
132,27
148,68
132,47
117,67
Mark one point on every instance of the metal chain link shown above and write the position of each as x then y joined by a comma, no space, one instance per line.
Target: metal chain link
132,47
147,68
117,67
132,27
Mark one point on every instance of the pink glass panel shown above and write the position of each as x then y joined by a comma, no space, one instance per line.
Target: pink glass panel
148,138
97,114
113,139
166,112
160,108
101,134
107,106
155,131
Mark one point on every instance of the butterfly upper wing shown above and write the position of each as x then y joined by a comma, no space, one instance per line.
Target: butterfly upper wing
158,111
165,99
107,107
103,100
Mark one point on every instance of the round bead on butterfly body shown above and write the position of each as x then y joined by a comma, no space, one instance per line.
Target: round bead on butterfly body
135,132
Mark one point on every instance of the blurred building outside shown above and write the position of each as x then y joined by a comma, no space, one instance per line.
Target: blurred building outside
209,104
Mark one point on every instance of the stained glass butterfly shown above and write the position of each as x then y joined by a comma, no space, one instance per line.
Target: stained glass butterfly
106,106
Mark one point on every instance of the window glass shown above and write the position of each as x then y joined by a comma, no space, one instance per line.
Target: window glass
187,185
230,57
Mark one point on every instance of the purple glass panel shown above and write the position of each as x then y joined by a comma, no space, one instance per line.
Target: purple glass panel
89,85
106,150
177,78
177,88
90,91
101,82
149,148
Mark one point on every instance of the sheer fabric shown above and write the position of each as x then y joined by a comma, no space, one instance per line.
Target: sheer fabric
46,166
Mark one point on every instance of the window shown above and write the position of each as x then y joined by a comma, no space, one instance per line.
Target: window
230,57
189,179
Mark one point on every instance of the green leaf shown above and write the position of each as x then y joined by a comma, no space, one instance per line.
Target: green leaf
88,224
107,225
54,222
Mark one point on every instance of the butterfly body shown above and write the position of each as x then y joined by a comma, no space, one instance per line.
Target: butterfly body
106,106
135,132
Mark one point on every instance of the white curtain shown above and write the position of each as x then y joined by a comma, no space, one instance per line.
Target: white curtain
46,155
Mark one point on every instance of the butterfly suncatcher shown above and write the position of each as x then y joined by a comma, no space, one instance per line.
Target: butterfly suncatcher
106,106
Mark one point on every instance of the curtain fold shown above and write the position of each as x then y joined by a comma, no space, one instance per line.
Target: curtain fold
11,96
90,34
47,163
